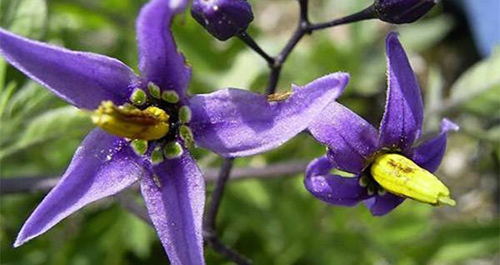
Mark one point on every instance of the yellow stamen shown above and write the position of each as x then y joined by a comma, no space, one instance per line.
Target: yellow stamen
130,122
279,96
401,176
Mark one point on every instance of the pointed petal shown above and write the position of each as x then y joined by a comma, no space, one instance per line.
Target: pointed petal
82,79
382,205
102,166
175,201
402,121
430,153
350,139
331,188
159,61
233,122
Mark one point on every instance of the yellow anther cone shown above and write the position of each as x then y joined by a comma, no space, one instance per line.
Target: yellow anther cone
401,176
131,122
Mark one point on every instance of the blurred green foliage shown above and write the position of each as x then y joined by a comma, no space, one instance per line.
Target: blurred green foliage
272,221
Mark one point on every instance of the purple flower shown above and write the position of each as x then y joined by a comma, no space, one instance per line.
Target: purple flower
223,18
379,160
155,121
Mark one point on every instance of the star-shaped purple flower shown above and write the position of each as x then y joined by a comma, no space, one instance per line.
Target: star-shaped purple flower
354,144
230,122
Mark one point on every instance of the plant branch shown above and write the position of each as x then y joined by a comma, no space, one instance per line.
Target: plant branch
304,27
210,218
9,186
365,14
250,42
18,185
213,209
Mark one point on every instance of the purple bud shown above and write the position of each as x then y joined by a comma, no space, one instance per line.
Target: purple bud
222,18
402,11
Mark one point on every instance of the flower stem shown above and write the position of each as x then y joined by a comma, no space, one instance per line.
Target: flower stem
210,220
304,27
250,42
365,14
213,209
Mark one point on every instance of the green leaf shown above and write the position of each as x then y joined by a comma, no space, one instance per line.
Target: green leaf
27,100
3,70
5,96
17,108
24,17
433,98
137,235
53,124
478,89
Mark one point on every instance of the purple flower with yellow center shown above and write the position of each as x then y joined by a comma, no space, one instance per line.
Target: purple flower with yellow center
147,124
386,165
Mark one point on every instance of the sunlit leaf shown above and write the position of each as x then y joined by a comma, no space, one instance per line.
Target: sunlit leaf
24,17
53,124
478,89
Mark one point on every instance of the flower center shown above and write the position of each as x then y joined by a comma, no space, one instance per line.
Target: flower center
130,122
157,123
401,176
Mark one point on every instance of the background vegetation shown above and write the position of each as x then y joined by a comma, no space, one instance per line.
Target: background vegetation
273,221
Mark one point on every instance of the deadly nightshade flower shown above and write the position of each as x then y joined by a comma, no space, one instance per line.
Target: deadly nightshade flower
387,167
147,123
223,18
402,11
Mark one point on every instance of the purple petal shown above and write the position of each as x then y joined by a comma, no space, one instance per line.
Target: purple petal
82,79
102,166
382,205
175,197
330,188
235,122
430,153
159,61
350,139
402,122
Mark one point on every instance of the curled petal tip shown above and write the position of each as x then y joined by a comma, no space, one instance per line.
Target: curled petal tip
177,4
392,39
448,125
